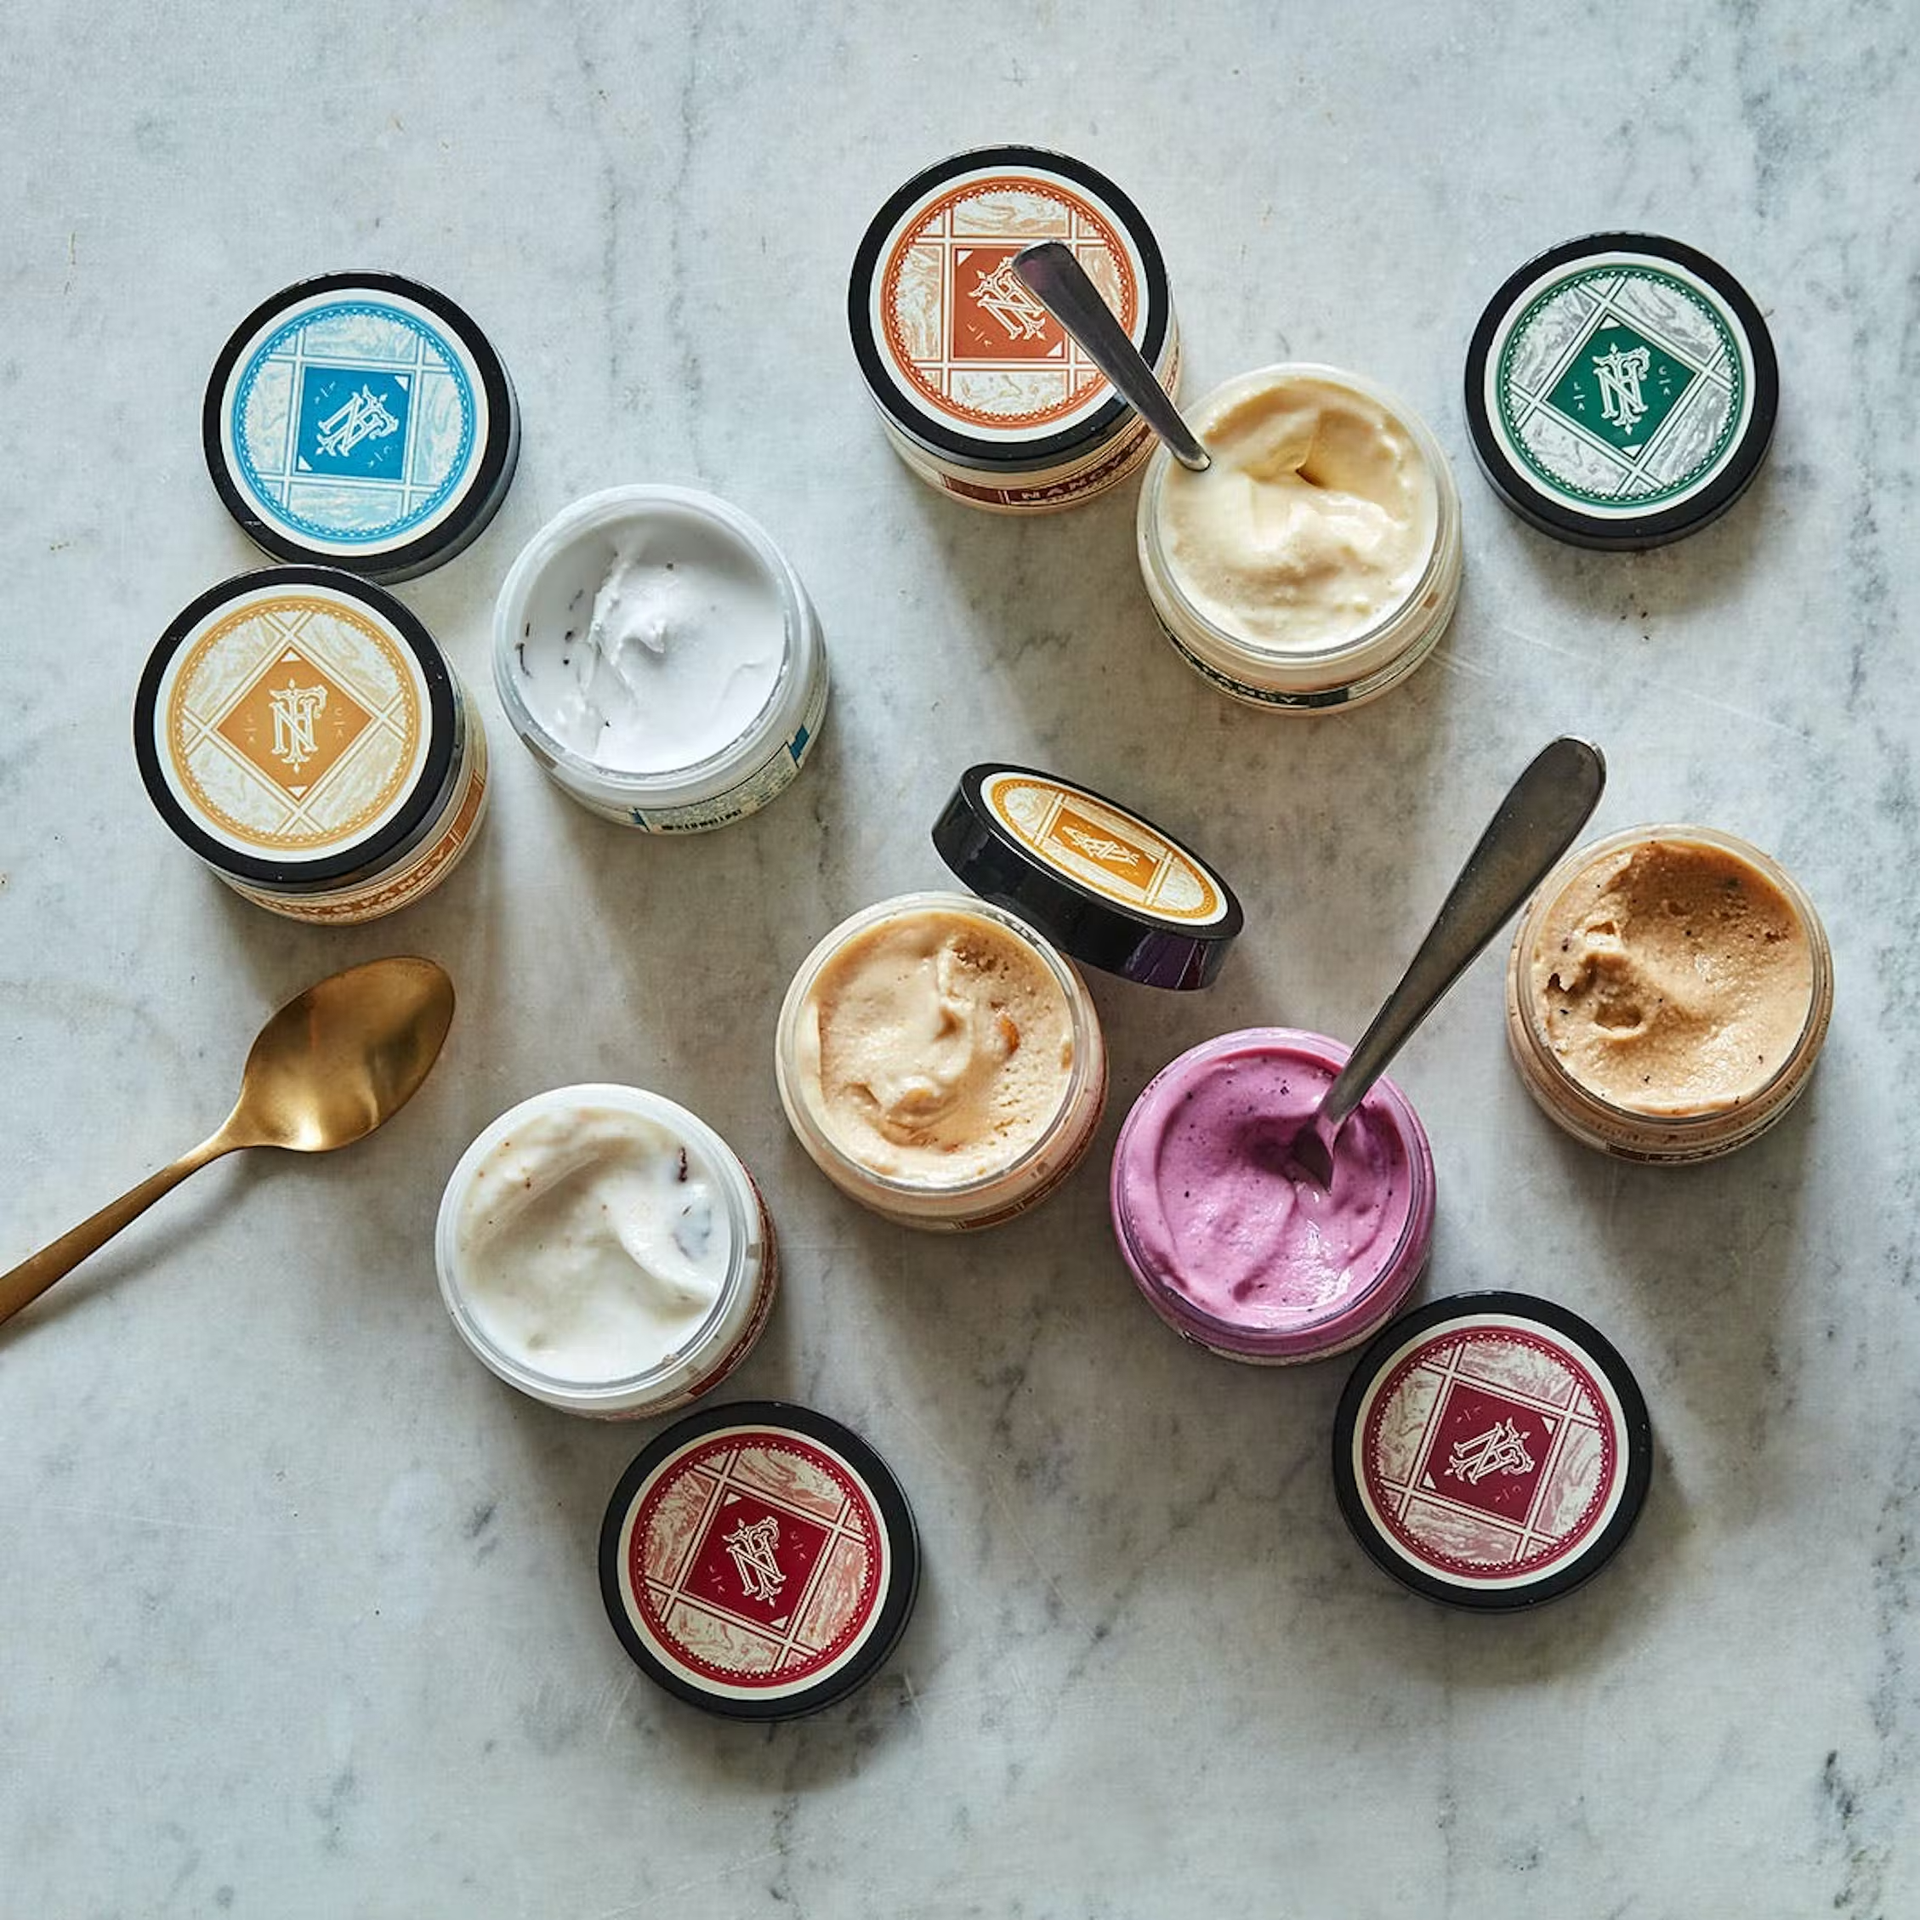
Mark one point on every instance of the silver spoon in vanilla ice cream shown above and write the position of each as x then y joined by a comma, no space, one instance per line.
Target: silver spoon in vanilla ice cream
1061,284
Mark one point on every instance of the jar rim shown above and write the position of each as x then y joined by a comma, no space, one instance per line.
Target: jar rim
1396,1272
1088,1046
745,1261
1442,559
595,513
1760,1105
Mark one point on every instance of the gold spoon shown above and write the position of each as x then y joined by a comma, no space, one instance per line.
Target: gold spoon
334,1063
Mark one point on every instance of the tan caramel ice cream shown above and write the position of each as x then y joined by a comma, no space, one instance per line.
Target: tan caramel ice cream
1672,977
935,1046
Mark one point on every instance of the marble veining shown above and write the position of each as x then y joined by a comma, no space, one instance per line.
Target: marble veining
301,1608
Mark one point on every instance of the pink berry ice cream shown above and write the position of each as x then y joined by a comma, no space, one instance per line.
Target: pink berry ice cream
1231,1243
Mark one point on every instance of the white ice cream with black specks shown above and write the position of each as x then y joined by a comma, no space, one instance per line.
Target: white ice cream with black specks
668,658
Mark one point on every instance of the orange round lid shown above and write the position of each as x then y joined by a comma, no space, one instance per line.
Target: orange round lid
296,725
956,349
1099,880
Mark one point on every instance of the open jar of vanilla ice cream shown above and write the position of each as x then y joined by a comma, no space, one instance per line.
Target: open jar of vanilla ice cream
941,1062
1317,561
605,1251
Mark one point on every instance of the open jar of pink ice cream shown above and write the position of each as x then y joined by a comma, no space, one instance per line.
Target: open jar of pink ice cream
1234,1247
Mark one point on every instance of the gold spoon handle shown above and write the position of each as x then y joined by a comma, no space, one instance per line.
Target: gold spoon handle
33,1276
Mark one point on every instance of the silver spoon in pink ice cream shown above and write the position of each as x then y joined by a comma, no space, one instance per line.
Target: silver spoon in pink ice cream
1537,822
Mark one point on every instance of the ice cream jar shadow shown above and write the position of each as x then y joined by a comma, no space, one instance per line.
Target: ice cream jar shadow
938,1054
1668,992
1236,1248
658,655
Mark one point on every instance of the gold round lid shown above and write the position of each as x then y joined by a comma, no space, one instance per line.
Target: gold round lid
1098,879
295,725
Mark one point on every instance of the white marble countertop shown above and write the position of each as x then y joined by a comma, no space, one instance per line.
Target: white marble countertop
301,1611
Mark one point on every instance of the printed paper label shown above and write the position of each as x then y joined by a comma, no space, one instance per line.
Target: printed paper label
754,1563
1103,849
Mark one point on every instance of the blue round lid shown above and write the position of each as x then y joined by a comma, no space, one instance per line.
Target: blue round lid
361,420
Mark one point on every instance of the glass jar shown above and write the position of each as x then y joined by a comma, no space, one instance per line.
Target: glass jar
718,756
982,1196
1708,1127
1247,1093
1310,678
696,1359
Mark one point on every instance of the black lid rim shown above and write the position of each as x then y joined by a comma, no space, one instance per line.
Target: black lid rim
949,443
479,500
896,1518
1090,927
1623,536
364,856
1636,1442
1612,533
462,527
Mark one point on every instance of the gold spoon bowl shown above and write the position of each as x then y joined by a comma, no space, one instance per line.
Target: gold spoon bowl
333,1064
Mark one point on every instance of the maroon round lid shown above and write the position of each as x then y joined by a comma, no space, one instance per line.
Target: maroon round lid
759,1560
1492,1451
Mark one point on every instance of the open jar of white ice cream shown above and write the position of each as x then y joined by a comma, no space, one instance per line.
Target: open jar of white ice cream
605,1251
658,655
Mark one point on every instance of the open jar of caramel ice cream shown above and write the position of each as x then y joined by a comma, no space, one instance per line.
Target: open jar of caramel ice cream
1668,992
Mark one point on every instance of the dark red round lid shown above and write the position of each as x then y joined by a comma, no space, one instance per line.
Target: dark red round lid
1492,1451
759,1560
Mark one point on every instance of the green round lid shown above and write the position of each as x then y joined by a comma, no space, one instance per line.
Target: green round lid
1621,391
